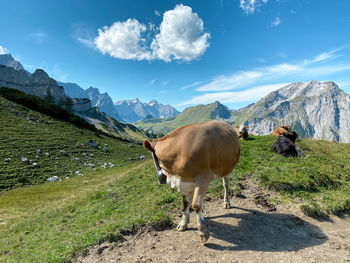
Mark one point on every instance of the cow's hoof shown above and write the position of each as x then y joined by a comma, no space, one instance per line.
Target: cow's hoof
227,205
181,227
204,236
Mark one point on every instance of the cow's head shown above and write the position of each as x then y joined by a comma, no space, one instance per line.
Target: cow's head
160,174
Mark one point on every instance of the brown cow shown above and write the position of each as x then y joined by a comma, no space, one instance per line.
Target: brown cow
190,157
281,130
243,133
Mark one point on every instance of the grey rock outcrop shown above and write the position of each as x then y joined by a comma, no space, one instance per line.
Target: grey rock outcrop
9,61
102,101
313,109
38,83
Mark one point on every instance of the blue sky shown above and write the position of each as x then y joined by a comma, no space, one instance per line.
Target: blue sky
181,52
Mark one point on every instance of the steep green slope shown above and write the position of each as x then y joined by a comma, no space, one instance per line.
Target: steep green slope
34,147
196,114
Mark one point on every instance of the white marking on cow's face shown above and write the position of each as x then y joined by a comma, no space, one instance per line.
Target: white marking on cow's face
183,187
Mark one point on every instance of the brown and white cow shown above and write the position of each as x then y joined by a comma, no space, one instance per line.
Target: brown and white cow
242,133
190,157
281,130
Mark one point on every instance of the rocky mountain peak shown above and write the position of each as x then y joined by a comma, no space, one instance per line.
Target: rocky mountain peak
319,110
152,102
9,61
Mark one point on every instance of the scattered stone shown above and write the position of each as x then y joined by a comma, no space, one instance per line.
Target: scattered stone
63,152
47,154
90,165
77,159
38,151
105,148
84,155
25,159
142,157
92,144
35,164
77,172
7,159
111,165
52,179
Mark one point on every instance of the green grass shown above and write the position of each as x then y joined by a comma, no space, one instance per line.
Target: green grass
321,176
24,131
55,222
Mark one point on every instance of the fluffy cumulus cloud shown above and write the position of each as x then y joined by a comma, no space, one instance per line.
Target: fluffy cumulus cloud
123,40
3,50
249,6
181,35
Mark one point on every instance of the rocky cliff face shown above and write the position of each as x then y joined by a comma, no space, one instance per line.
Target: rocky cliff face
102,101
135,110
38,83
9,61
314,109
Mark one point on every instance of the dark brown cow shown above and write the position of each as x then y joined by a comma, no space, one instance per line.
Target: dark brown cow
190,157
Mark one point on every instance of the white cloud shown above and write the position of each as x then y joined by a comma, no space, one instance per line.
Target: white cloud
181,36
276,22
191,85
249,6
254,93
309,68
156,12
3,50
123,40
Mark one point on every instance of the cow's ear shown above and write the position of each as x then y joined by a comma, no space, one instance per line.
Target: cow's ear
148,145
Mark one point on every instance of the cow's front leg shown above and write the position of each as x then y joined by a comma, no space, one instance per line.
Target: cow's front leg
197,204
185,214
226,183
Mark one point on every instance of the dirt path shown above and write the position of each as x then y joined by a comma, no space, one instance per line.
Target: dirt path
253,230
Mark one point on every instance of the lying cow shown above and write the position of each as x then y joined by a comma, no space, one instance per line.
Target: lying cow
243,133
281,130
190,157
285,145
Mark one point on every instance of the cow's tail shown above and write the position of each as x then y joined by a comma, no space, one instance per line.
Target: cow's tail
148,145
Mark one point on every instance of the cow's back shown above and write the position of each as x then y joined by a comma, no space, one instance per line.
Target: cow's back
193,149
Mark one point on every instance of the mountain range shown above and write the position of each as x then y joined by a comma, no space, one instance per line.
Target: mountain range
314,109
319,110
40,84
123,110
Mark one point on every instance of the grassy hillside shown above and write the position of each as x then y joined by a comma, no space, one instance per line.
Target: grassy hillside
34,147
196,114
68,216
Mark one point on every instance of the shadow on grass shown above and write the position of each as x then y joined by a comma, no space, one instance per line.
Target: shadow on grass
260,231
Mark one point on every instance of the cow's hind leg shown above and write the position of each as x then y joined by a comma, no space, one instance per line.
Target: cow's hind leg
226,183
185,213
197,204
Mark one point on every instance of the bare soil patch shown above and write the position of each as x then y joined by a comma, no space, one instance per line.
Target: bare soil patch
252,230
